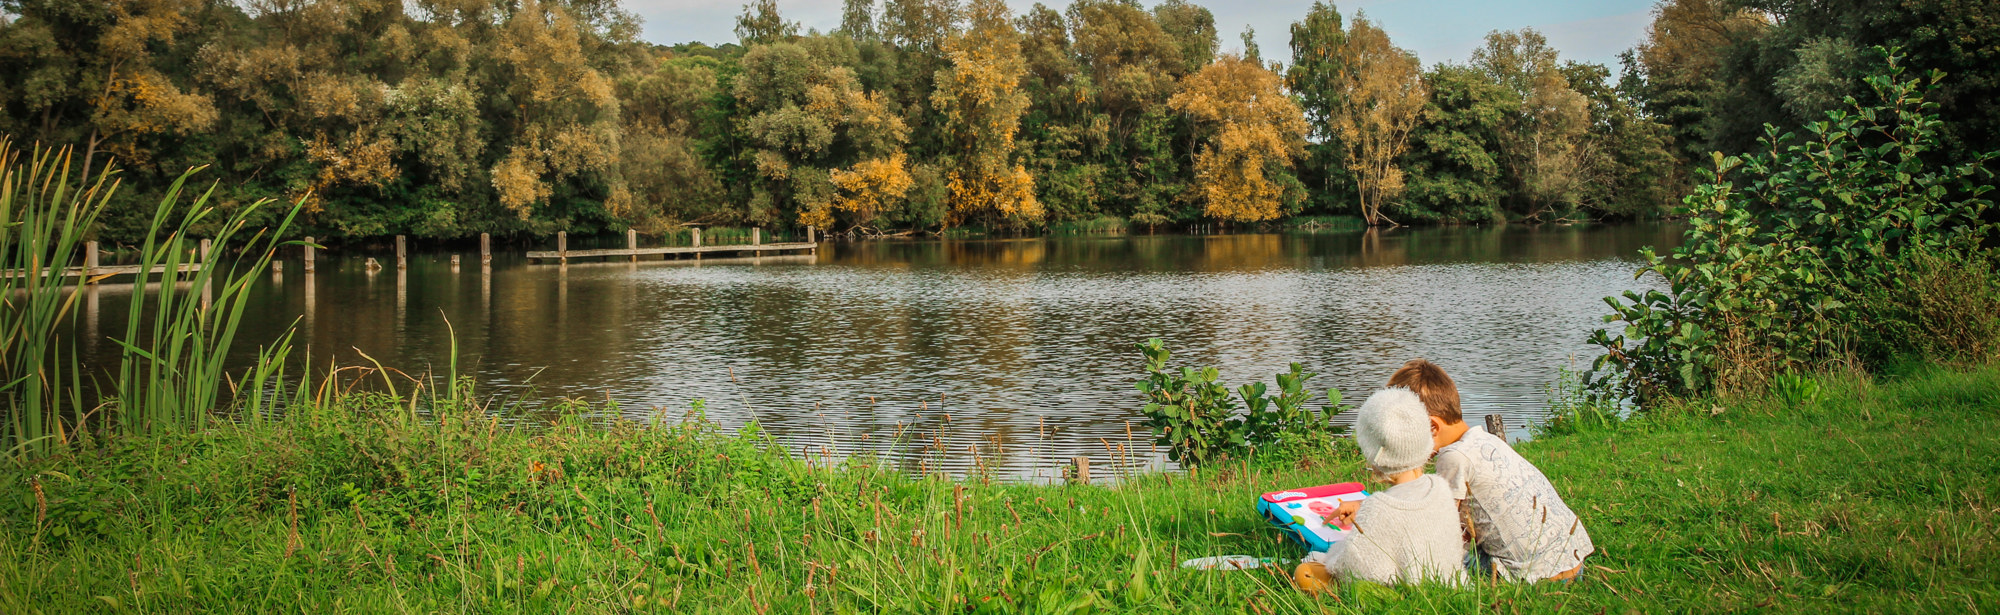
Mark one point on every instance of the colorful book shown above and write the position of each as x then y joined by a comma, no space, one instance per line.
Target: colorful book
1306,514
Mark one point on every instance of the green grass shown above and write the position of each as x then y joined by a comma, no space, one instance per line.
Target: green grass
1862,497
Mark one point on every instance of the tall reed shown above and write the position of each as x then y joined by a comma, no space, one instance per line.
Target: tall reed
43,217
177,335
177,339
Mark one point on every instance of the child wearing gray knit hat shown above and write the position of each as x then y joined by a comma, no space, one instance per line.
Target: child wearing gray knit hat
1408,533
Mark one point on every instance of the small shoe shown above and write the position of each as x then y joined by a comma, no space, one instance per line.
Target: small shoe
1312,578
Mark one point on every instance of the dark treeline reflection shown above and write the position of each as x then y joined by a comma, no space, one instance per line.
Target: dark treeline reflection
1020,348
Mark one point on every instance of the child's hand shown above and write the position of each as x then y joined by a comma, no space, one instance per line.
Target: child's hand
1344,516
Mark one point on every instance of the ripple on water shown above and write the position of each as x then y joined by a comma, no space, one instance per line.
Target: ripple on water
1027,342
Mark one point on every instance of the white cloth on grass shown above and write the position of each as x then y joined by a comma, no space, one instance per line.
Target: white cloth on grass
1519,521
1406,534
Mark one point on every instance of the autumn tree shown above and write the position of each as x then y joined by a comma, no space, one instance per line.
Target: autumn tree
808,118
95,67
1381,100
567,127
980,98
1254,132
870,186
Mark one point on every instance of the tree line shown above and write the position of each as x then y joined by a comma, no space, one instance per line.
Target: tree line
443,118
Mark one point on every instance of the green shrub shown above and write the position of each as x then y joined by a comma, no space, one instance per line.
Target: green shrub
1192,412
1939,306
1785,247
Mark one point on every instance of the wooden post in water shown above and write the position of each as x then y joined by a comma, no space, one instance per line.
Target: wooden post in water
89,261
632,242
485,249
454,263
562,245
312,303
697,241
1496,426
756,235
1082,470
810,234
402,256
309,254
207,295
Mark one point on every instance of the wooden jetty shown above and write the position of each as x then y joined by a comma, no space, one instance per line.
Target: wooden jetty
633,251
93,271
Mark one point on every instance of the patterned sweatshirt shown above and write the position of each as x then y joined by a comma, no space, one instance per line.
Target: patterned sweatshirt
1518,520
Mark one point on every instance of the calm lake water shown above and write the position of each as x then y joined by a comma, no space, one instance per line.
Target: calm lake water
1021,348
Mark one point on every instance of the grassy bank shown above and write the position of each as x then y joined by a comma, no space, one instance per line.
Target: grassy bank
1876,496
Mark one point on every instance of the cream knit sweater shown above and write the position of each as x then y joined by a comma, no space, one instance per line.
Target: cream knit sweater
1407,534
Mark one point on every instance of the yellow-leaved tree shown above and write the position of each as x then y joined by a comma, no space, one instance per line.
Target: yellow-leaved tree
980,97
1253,132
1382,99
870,185
568,109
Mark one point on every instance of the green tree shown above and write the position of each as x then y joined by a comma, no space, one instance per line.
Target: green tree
857,20
1678,69
1630,160
1192,29
1454,161
760,24
1544,142
1314,78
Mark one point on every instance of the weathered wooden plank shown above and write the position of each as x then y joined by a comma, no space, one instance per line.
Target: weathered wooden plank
71,272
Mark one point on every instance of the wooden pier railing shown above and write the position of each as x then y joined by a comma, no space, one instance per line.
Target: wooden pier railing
633,251
94,271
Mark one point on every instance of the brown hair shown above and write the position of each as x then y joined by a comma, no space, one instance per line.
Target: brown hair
1432,386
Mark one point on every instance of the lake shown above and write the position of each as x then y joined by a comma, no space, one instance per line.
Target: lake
1020,348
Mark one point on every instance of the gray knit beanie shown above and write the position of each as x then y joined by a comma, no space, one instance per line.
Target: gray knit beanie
1393,431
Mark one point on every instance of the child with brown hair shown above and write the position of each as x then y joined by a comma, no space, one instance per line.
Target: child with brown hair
1520,526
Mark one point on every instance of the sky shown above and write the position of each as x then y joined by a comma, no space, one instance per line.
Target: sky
1437,30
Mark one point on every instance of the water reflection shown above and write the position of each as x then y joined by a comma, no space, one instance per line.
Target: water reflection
1012,355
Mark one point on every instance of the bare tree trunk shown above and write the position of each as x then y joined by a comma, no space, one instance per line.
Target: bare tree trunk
89,152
